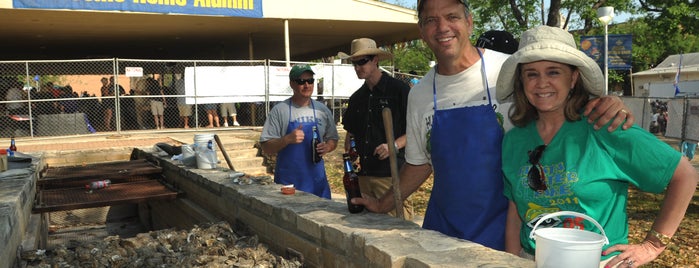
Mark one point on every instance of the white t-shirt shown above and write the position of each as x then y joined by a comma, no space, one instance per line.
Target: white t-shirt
464,89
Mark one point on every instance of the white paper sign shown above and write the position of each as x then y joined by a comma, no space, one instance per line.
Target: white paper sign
134,71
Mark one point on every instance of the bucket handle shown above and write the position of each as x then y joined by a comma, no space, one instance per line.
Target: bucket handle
569,213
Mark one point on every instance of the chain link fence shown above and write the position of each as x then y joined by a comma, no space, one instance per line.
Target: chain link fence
77,97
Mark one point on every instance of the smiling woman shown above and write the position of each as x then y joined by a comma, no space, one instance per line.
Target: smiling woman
550,81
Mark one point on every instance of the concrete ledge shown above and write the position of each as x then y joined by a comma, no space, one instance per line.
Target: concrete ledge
322,231
16,200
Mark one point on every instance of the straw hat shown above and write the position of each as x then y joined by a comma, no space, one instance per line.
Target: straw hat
550,44
365,47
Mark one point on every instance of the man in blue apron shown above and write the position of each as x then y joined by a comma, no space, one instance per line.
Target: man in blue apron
455,128
288,132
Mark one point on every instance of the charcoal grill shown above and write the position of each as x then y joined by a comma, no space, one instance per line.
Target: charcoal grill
63,188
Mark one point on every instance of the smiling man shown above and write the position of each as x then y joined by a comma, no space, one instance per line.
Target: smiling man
288,132
455,127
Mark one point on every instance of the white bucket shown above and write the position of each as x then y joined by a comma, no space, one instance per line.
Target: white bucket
568,247
205,151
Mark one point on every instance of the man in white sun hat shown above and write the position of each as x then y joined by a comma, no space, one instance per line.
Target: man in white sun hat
363,119
455,129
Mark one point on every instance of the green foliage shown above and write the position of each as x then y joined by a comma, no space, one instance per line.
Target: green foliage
414,55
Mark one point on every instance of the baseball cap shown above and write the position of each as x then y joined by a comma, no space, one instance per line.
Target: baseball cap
298,70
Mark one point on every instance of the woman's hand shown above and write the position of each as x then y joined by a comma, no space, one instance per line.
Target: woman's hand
633,255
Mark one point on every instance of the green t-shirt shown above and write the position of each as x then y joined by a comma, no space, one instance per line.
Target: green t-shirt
586,171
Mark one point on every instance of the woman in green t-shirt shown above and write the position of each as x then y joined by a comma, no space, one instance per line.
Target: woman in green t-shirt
555,161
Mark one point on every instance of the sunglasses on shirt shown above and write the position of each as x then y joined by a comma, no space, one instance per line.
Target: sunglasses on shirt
536,178
304,81
362,61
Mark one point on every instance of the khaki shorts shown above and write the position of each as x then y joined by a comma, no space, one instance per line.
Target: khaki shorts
228,109
185,109
377,187
157,107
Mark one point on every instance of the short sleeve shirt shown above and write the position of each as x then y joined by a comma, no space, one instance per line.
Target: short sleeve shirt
363,118
278,120
586,171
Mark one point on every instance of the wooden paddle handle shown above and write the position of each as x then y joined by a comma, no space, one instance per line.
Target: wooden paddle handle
393,158
223,151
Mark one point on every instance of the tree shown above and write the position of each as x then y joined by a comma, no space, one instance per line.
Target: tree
413,56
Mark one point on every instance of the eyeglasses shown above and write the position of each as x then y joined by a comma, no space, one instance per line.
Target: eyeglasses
304,81
536,178
362,61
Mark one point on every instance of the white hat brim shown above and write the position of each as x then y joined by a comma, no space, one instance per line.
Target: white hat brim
590,72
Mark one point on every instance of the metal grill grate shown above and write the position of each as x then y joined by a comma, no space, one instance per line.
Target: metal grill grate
59,191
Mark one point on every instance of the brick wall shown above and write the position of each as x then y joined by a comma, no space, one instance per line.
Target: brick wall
321,230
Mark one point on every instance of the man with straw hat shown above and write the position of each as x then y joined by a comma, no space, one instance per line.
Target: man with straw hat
455,129
363,119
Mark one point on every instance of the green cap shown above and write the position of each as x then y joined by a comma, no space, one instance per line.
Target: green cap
298,70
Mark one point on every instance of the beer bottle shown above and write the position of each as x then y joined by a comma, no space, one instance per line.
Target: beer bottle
351,183
353,154
314,146
12,148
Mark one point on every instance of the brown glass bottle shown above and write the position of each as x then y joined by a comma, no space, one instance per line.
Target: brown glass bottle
351,183
314,146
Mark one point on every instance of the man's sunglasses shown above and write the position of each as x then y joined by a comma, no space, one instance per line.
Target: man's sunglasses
362,61
536,178
304,81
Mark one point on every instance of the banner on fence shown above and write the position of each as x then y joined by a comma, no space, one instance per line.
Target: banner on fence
619,50
232,8
224,84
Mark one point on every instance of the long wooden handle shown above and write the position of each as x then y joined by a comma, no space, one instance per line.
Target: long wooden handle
393,158
223,151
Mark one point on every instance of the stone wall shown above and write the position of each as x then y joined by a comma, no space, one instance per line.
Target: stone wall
17,190
322,231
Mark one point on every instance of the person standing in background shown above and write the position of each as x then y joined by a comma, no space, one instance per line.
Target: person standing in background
107,103
413,79
228,109
288,132
157,102
688,148
212,115
141,104
15,93
184,109
363,120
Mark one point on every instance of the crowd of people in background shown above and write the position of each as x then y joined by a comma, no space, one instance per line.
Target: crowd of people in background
659,118
135,106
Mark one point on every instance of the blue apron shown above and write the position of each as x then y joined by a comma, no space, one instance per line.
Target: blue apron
295,163
467,198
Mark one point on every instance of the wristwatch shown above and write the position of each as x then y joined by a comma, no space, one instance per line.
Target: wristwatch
664,239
